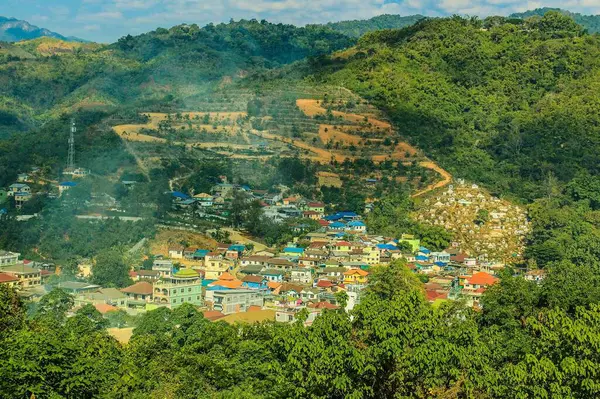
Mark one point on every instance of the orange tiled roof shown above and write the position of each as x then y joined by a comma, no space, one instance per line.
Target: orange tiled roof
105,308
352,272
226,276
482,278
141,288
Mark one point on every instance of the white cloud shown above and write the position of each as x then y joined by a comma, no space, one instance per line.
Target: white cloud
102,16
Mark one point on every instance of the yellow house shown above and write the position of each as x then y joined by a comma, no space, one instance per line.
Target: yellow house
8,280
371,256
355,276
28,276
215,267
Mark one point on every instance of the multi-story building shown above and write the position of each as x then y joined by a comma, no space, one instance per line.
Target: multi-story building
235,301
185,286
164,267
8,258
28,276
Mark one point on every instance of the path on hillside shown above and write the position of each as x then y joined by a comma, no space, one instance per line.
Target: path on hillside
400,153
313,107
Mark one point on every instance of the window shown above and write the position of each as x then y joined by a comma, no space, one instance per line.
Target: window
190,289
182,290
189,299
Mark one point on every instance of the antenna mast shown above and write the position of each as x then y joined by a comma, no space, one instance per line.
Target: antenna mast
71,156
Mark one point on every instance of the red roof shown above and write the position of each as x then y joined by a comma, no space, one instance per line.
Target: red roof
482,278
323,222
343,244
317,244
316,205
309,213
213,315
105,308
433,295
7,278
253,279
254,308
141,288
324,284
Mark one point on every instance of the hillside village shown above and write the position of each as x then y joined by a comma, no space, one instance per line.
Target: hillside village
332,253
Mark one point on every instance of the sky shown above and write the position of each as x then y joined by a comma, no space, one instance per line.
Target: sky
107,20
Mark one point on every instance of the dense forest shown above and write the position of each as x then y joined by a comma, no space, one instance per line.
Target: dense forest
508,103
357,28
590,22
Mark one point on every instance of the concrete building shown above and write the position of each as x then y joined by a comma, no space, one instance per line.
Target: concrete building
185,286
235,301
8,258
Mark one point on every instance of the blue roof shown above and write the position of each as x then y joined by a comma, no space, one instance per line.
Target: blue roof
68,184
372,180
347,214
201,252
187,202
441,264
389,247
179,194
422,258
207,282
332,217
3,211
237,247
294,250
340,234
246,188
337,225
424,250
356,223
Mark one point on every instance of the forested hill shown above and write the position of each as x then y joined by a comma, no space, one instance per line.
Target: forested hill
589,22
357,28
510,103
159,66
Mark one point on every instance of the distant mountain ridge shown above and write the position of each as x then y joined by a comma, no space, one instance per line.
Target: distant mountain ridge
589,22
14,30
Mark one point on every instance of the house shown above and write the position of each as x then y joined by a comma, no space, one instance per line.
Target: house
318,207
215,265
200,254
21,198
293,251
76,287
356,276
335,273
227,280
28,276
18,188
236,301
410,239
252,269
176,252
164,267
65,186
141,291
336,226
22,177
325,284
440,257
149,275
273,275
254,261
8,258
204,200
178,196
107,296
280,264
308,262
342,246
311,215
477,280
255,282
301,276
9,280
310,294
185,286
356,226
536,275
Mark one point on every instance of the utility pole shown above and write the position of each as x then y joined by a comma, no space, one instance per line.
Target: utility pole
71,156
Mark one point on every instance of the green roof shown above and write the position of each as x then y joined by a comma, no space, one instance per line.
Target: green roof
186,273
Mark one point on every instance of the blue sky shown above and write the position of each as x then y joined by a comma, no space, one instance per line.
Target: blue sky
107,20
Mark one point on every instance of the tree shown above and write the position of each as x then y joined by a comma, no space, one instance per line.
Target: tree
12,314
110,270
54,305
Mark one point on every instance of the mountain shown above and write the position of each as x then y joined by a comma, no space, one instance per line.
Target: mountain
14,30
589,22
357,28
512,104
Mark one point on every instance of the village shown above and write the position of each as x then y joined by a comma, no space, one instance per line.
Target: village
240,281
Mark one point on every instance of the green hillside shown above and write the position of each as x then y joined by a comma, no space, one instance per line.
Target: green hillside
47,78
357,28
589,22
508,104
